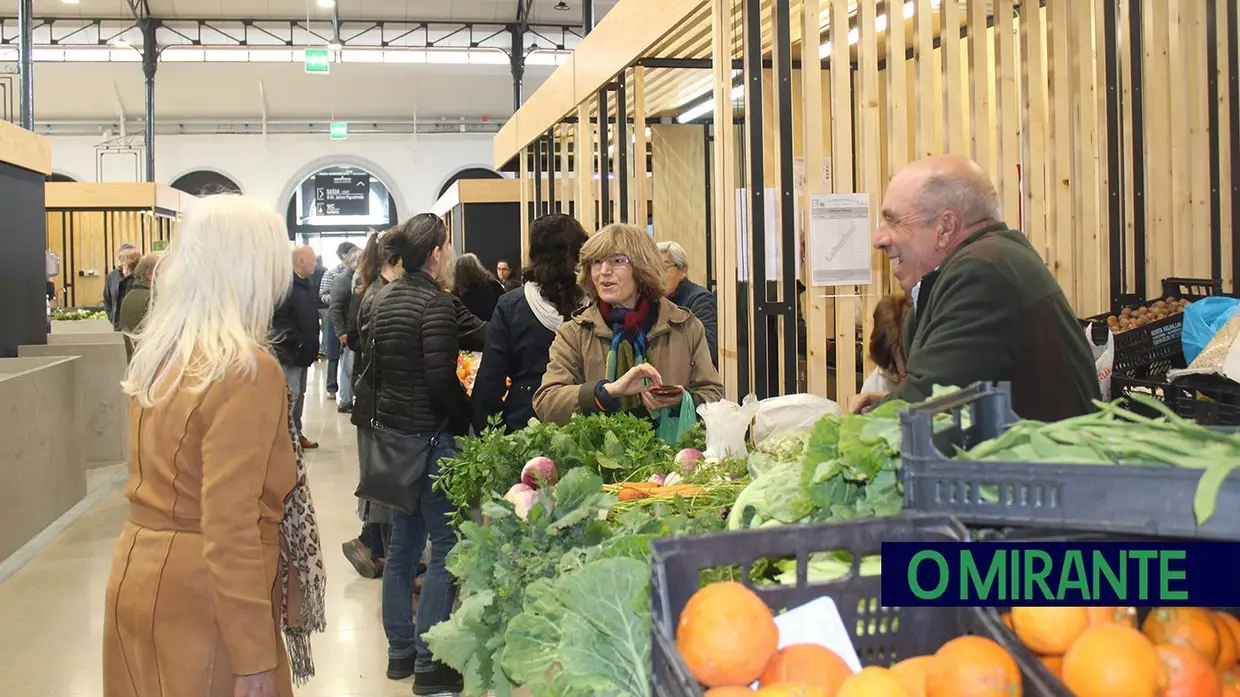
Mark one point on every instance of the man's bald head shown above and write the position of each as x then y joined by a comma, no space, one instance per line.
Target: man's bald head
931,207
303,261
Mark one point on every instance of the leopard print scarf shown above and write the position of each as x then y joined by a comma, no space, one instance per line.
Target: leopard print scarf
303,580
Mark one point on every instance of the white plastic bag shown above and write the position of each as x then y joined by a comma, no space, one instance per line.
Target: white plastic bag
793,413
1104,359
727,423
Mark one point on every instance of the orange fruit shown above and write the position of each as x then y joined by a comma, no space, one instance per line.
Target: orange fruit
726,635
873,682
1121,615
806,664
972,666
729,691
1111,659
1231,682
912,674
1232,625
1054,664
1228,651
1007,619
1188,674
1185,626
1049,630
790,689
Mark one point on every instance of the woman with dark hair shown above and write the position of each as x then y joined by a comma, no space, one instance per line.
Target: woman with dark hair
476,287
886,347
418,332
524,324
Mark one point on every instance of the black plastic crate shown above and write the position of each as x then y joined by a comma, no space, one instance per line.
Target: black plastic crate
1101,498
1210,400
881,635
1156,387
1155,348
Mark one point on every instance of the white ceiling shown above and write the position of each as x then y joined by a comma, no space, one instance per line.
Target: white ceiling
399,10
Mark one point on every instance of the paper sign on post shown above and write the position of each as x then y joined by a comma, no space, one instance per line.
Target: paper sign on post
839,240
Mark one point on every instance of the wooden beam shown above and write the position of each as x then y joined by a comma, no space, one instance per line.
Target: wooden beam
842,181
21,148
584,158
723,38
818,323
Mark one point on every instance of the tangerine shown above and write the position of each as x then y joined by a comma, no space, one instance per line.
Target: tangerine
789,689
972,666
729,691
1232,625
806,664
1188,674
873,682
1228,651
1231,682
1049,630
1054,664
912,674
726,635
1112,659
1185,626
1120,615
1007,619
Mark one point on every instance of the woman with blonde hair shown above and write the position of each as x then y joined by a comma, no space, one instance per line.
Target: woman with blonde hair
630,349
220,550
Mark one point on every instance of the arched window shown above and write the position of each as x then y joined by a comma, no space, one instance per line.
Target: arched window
470,173
336,204
205,182
58,177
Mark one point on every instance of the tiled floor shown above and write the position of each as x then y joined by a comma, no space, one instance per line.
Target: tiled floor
51,610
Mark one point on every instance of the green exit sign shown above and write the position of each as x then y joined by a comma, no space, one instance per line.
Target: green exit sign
318,60
159,245
340,130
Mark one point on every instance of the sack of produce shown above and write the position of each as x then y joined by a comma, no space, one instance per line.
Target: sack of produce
1202,320
1220,357
793,413
727,424
1103,347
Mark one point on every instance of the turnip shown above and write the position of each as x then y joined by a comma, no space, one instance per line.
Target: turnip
521,497
539,472
687,459
657,479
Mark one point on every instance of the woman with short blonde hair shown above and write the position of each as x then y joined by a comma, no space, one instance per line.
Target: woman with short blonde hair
631,349
220,551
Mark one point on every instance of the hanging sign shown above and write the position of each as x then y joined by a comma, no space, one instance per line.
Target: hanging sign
339,130
342,194
318,60
839,240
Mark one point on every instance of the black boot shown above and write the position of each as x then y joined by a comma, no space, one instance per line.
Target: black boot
400,668
441,679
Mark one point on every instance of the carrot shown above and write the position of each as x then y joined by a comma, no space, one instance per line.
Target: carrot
631,494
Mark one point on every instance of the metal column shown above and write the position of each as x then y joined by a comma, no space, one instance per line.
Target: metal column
1115,150
1233,71
1216,203
622,150
785,308
587,16
516,62
1135,44
150,63
756,217
25,58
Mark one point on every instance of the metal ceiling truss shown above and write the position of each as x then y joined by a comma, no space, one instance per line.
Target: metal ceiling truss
294,33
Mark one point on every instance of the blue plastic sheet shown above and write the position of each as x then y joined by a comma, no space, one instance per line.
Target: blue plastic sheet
1202,320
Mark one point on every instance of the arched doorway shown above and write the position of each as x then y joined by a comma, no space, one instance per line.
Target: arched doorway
58,177
469,173
339,203
205,182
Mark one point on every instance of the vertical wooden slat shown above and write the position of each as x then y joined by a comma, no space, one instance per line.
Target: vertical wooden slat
1091,194
566,170
1036,144
842,181
1159,251
526,186
1008,118
1199,134
817,324
583,155
1060,185
1179,231
870,153
954,94
929,100
980,85
641,184
897,131
724,237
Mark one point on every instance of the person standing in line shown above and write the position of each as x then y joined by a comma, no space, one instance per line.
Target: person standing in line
330,333
338,311
476,287
216,583
137,300
112,284
689,295
316,281
295,335
503,271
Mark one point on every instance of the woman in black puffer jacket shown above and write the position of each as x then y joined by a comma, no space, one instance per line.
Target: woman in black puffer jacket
419,330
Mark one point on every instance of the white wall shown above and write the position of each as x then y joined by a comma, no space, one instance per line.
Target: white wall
269,167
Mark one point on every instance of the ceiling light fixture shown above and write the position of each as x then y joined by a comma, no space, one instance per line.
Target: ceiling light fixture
326,4
70,2
562,6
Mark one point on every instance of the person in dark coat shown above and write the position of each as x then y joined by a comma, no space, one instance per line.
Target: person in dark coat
476,287
523,326
418,334
137,300
689,295
985,307
295,334
114,285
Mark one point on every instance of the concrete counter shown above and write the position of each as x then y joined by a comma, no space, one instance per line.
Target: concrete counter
103,407
83,326
41,456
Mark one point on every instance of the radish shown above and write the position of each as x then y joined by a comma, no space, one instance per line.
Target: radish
522,499
539,472
687,459
657,479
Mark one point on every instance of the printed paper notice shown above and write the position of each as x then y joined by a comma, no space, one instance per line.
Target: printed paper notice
839,240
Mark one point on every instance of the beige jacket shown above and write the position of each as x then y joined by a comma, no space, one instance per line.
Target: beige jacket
676,346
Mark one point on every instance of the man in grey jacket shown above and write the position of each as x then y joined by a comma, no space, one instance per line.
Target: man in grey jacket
112,284
332,348
338,310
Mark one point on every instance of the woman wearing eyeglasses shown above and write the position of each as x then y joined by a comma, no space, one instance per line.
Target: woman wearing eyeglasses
630,349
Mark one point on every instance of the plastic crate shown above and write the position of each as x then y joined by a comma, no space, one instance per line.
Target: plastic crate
1155,348
1210,400
1155,386
1102,498
881,635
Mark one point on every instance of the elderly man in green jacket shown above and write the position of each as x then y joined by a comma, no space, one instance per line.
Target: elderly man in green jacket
138,299
985,307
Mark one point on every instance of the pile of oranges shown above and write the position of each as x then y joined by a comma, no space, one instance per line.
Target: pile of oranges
467,369
729,640
1100,652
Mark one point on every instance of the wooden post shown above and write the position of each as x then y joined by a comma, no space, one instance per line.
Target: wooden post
724,237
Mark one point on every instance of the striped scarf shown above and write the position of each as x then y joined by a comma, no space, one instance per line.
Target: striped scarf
628,342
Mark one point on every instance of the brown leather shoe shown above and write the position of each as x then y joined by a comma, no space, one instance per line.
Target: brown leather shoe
307,444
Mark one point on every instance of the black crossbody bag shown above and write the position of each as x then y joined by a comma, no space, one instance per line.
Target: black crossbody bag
393,468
